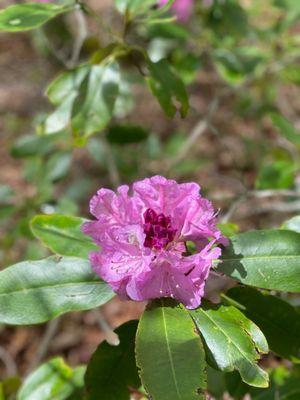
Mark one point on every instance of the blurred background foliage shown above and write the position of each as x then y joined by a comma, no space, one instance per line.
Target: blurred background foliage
98,125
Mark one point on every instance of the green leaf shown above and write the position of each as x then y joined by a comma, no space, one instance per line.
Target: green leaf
228,228
62,92
233,341
269,259
32,292
235,66
58,166
292,6
62,234
170,354
168,88
22,17
85,99
96,107
285,128
134,7
276,175
126,134
53,380
31,145
112,369
292,224
279,321
66,84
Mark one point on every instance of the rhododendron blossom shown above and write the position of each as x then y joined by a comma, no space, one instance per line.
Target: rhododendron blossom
143,239
183,9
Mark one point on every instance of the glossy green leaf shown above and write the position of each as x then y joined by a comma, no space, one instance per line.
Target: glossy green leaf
62,234
168,88
279,321
32,292
268,259
286,128
96,108
292,224
21,17
54,380
66,84
169,353
84,98
233,341
112,369
62,93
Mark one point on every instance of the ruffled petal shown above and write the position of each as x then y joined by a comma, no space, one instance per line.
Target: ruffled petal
141,239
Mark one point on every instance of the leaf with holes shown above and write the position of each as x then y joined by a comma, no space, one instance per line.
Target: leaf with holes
168,88
279,321
233,341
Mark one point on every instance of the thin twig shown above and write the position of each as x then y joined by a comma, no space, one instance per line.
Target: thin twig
110,336
8,361
196,132
232,209
51,330
262,194
280,206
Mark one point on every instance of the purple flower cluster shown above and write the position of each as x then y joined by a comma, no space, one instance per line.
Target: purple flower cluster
143,237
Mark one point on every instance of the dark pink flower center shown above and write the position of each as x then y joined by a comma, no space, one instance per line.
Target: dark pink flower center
158,230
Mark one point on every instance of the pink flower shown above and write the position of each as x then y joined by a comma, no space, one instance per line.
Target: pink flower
143,238
183,9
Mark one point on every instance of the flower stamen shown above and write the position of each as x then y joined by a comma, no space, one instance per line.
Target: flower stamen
158,229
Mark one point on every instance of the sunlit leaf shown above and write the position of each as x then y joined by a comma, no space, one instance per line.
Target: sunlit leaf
279,321
32,292
21,17
62,234
53,380
234,342
268,259
169,353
